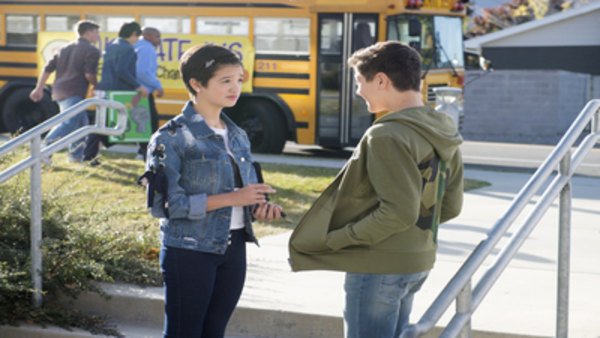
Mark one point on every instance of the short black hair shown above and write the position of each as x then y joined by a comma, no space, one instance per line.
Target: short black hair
400,62
84,26
129,28
202,61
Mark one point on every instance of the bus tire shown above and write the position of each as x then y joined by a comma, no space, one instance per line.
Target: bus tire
264,124
19,113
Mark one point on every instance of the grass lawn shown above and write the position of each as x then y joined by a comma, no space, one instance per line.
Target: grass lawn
108,194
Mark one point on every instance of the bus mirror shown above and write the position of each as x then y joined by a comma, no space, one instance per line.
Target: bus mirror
414,27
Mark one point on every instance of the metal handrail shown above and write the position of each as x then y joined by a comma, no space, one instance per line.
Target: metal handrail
459,287
34,136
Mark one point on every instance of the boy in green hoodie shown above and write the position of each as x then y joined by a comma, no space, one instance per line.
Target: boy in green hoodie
378,219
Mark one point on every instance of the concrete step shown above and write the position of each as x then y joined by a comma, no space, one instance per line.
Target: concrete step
145,306
35,331
269,329
126,304
138,313
126,329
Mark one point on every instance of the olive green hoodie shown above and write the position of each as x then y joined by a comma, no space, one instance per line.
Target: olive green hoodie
381,213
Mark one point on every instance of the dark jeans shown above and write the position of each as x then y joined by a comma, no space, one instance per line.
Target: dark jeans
202,289
92,145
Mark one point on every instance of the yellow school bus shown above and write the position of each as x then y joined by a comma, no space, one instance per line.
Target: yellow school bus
300,87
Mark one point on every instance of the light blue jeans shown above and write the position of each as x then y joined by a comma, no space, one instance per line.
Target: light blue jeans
379,305
66,127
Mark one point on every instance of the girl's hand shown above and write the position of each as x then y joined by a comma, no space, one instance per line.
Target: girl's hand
267,212
252,194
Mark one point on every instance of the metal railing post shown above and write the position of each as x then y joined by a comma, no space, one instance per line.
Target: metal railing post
564,251
464,304
35,191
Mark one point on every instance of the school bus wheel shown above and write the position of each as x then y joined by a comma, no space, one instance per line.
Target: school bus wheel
263,122
19,113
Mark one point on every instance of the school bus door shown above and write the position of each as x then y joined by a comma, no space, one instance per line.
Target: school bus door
342,116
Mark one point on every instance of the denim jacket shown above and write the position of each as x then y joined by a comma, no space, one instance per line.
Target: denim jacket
118,68
196,164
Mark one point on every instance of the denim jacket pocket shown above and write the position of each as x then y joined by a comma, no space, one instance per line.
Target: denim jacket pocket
200,175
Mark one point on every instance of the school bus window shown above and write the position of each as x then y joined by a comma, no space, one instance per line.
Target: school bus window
363,35
440,47
168,24
21,29
222,26
401,28
331,37
282,35
110,23
61,23
450,51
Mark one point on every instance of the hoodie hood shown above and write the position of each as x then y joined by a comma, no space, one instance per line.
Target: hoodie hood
436,127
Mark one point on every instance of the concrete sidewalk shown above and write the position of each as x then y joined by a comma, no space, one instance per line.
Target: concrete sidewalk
523,301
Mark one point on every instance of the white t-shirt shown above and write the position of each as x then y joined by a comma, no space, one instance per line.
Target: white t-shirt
237,213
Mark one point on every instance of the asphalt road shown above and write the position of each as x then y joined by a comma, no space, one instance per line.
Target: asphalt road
516,156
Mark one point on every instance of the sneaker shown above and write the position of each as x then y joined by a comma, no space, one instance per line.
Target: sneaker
94,163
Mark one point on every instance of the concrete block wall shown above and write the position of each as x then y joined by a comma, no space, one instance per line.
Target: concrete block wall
574,91
524,106
595,87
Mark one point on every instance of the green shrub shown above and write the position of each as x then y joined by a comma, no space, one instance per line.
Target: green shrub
76,252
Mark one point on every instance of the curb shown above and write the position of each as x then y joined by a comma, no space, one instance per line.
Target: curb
143,307
34,331
270,323
125,304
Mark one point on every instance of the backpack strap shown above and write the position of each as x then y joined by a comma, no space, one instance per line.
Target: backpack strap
434,175
441,188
